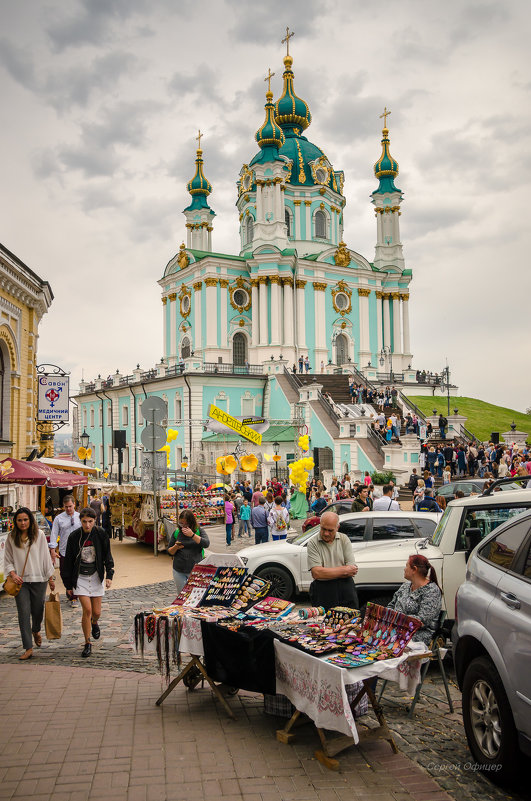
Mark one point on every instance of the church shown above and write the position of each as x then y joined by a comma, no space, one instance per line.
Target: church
235,324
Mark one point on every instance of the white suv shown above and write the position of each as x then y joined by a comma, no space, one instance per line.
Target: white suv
285,563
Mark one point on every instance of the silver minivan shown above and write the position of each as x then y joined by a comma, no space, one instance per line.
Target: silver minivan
492,649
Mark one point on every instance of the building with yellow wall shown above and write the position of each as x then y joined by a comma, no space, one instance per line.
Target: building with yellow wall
24,299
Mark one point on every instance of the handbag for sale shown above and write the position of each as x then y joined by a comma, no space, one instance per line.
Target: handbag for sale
53,619
10,585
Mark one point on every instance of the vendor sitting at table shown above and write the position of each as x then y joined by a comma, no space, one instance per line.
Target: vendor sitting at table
419,596
332,565
187,546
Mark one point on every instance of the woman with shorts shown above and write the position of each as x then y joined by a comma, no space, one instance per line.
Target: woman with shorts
88,566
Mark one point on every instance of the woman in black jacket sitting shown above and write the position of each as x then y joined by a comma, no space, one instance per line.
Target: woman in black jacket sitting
88,563
187,547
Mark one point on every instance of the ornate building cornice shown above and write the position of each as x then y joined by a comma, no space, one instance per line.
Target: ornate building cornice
211,281
364,293
319,287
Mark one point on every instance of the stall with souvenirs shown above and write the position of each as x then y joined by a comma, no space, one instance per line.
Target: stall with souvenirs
206,504
233,632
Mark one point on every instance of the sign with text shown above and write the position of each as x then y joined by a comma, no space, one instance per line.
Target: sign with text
233,423
154,466
53,400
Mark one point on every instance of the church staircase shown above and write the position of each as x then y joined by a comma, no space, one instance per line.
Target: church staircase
336,385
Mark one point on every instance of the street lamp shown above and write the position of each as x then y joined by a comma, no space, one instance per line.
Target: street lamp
184,465
84,439
276,447
445,384
386,352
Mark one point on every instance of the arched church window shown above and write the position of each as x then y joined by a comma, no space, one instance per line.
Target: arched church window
320,224
249,230
239,349
341,349
287,219
185,348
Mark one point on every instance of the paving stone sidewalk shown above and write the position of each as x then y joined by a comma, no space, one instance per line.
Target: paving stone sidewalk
243,760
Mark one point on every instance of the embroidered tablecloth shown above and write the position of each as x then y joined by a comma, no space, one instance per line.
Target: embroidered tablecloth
318,688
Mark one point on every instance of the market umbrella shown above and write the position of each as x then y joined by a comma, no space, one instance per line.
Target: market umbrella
16,471
219,485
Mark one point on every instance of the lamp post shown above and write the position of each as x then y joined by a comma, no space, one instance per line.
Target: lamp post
276,447
445,383
184,466
84,439
386,352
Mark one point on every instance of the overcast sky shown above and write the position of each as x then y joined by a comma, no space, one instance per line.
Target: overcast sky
101,102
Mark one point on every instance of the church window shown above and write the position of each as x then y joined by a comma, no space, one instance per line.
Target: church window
109,416
321,175
341,349
84,419
125,415
241,298
247,407
320,224
185,303
248,237
92,418
185,348
287,219
341,300
239,349
178,407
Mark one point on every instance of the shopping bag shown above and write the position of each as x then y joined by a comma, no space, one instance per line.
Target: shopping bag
53,619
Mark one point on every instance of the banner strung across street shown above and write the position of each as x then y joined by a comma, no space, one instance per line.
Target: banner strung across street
53,399
236,425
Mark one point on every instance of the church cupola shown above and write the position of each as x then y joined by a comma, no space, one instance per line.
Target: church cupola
387,200
291,112
199,215
269,136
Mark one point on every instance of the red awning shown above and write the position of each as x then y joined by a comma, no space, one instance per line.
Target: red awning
15,471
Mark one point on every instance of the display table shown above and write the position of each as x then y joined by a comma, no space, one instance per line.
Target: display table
318,689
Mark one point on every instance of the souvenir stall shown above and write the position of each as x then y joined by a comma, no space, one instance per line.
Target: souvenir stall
206,504
240,636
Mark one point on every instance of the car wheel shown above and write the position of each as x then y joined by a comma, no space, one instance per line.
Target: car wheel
282,584
488,720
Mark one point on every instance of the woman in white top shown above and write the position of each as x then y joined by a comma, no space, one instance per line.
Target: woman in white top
27,540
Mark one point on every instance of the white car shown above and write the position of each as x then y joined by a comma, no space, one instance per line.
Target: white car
285,564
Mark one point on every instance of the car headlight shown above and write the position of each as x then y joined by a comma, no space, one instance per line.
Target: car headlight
244,559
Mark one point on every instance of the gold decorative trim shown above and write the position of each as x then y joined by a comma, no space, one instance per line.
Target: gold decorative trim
297,202
241,323
404,296
342,256
172,296
300,284
198,286
185,293
254,282
307,202
211,281
320,164
164,301
223,283
319,287
322,190
183,260
395,295
274,279
364,293
286,281
379,295
262,279
343,324
342,289
240,283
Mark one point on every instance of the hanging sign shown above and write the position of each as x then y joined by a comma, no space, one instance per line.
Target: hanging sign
233,423
53,398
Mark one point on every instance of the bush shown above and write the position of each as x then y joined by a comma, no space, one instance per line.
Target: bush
383,478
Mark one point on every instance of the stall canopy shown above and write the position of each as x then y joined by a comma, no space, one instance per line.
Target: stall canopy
15,471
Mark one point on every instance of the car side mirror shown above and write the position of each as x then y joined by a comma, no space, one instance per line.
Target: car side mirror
472,538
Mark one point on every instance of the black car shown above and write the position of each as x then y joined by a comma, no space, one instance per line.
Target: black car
469,486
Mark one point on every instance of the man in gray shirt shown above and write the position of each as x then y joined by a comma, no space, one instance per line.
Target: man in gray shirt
332,565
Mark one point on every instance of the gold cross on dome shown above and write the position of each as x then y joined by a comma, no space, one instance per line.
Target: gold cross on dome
198,137
385,115
286,39
268,78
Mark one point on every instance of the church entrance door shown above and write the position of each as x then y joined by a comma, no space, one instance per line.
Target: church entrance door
239,349
341,349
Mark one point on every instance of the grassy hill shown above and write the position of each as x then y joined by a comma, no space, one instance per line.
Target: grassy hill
482,417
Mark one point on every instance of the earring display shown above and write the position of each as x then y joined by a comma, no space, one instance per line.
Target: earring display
251,591
194,590
225,585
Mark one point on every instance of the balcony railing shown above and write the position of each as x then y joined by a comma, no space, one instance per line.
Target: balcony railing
234,369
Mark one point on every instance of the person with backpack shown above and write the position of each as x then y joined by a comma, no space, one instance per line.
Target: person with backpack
278,520
443,425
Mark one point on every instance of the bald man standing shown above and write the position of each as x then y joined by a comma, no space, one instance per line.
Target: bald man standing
332,565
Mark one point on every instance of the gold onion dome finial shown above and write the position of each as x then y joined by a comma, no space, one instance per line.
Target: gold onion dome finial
386,166
269,134
199,185
291,110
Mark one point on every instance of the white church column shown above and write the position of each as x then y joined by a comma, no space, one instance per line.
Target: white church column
321,350
301,312
308,204
387,319
224,284
164,325
188,235
379,296
405,321
278,202
297,220
173,325
397,328
363,306
379,227
198,322
259,203
264,339
212,312
255,314
209,240
276,333
287,284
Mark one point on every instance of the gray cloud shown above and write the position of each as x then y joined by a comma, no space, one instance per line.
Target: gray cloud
18,63
77,85
92,24
261,23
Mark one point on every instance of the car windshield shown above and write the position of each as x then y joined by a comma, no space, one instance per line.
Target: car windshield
439,531
300,539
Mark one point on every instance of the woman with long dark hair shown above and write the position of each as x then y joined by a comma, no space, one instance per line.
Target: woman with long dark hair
28,562
187,547
420,596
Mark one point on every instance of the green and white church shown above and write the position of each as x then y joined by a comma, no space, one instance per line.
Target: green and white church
235,324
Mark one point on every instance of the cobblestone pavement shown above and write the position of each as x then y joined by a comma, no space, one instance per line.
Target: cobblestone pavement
434,739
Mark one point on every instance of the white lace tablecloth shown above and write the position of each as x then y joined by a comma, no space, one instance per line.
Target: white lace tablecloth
191,641
318,688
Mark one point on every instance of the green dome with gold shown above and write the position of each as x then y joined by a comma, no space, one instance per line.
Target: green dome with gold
386,168
270,135
199,186
291,110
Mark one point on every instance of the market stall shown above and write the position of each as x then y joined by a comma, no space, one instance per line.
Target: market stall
322,663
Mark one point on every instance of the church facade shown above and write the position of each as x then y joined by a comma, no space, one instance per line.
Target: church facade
235,324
